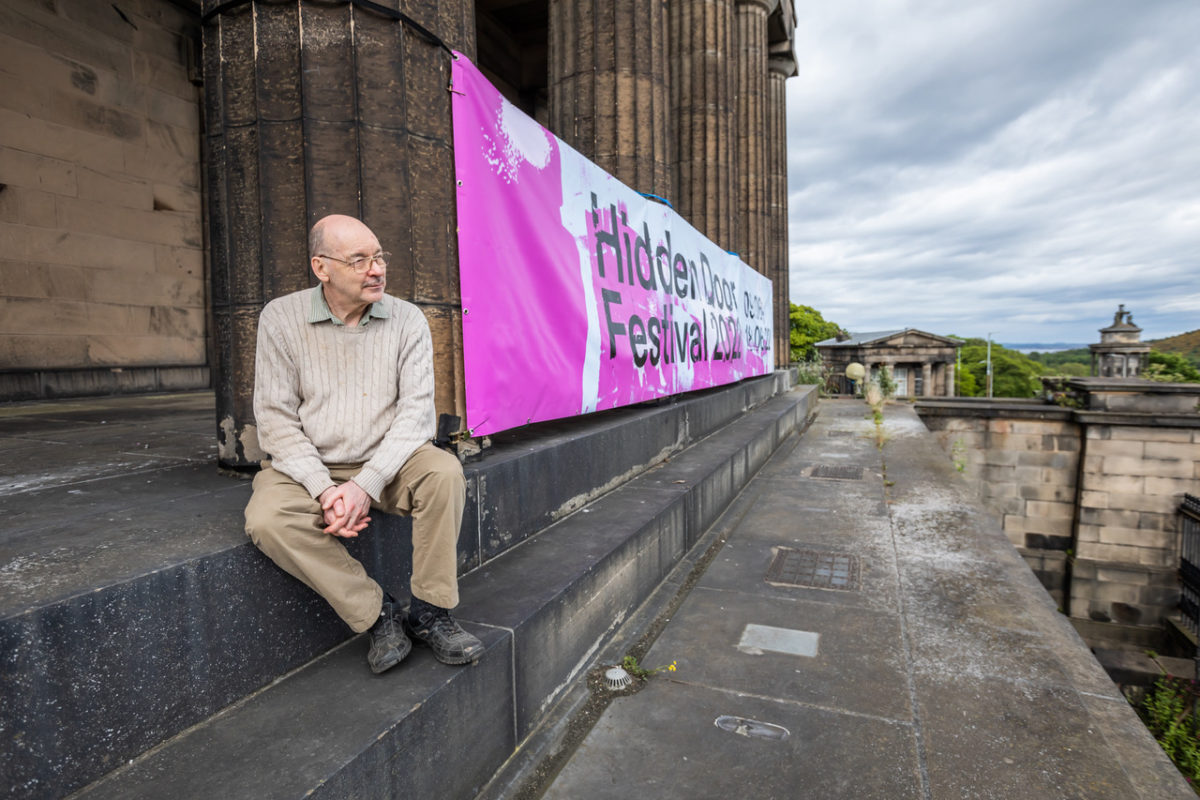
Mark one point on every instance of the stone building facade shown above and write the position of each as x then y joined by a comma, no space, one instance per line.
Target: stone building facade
103,283
162,161
921,364
1120,352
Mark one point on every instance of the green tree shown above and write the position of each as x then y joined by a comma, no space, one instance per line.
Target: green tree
964,384
1013,374
1076,363
1170,368
1069,369
807,328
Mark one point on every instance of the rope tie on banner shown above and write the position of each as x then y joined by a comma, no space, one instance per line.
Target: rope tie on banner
420,30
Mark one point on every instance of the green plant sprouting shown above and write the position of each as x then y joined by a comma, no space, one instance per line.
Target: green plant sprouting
958,454
1169,712
631,665
887,384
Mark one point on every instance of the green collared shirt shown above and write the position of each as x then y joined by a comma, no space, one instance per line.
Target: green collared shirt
318,310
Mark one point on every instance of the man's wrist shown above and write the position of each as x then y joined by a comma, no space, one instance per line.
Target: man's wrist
317,485
370,482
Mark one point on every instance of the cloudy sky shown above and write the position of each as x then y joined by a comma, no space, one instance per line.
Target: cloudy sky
1017,167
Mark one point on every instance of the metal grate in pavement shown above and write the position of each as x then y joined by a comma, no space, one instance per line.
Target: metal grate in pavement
815,569
845,472
839,433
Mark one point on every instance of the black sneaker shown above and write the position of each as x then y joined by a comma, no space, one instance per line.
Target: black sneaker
438,630
389,645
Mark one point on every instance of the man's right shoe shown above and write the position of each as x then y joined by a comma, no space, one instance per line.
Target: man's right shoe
389,644
435,627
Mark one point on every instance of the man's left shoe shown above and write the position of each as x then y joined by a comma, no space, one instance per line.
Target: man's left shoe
389,645
438,630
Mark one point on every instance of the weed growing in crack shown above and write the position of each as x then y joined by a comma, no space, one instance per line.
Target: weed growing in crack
631,665
958,454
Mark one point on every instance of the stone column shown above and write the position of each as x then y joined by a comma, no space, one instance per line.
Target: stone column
950,388
780,68
927,380
315,108
608,87
752,131
703,102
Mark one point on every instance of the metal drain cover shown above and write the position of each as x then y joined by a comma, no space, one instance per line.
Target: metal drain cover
814,569
752,727
844,472
840,433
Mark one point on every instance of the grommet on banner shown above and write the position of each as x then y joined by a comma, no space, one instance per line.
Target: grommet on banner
466,311
460,183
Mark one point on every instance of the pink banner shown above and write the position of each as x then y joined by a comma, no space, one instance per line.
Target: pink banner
579,294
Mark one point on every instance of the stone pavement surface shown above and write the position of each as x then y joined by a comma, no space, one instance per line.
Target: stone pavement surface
867,631
87,486
898,648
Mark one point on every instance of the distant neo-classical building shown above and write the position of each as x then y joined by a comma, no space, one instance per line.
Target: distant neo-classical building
921,364
1121,352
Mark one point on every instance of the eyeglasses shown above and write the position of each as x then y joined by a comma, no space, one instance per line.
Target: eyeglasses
362,263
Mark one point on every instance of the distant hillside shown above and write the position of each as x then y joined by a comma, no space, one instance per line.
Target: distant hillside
1043,347
1185,344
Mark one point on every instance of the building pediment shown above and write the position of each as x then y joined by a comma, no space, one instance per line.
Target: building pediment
907,337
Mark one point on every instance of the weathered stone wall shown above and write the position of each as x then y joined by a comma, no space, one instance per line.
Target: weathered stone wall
320,108
1127,558
102,275
608,87
1090,498
1024,469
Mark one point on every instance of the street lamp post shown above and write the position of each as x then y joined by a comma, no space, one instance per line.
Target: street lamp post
989,366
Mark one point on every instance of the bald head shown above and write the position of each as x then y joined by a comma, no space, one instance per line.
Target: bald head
347,259
331,231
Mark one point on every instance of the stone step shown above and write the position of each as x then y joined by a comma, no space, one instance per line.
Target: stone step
133,607
331,729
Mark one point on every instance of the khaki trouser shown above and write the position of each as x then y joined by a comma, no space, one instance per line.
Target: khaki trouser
286,523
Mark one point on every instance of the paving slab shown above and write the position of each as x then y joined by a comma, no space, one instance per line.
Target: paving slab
857,663
119,531
946,673
664,742
333,721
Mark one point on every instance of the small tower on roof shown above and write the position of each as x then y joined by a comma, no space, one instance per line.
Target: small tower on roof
1120,353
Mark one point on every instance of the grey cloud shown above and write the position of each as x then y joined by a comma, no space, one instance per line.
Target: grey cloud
1027,163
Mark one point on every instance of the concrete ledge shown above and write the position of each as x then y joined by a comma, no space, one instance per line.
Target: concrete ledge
93,382
333,729
1117,636
1164,420
544,608
513,498
1130,668
167,592
568,589
984,408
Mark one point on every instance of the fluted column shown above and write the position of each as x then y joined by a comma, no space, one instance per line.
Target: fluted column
703,100
779,70
751,239
608,87
314,108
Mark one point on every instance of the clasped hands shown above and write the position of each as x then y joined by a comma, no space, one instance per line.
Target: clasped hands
344,509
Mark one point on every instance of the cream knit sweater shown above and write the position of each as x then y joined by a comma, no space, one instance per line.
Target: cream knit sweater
333,394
